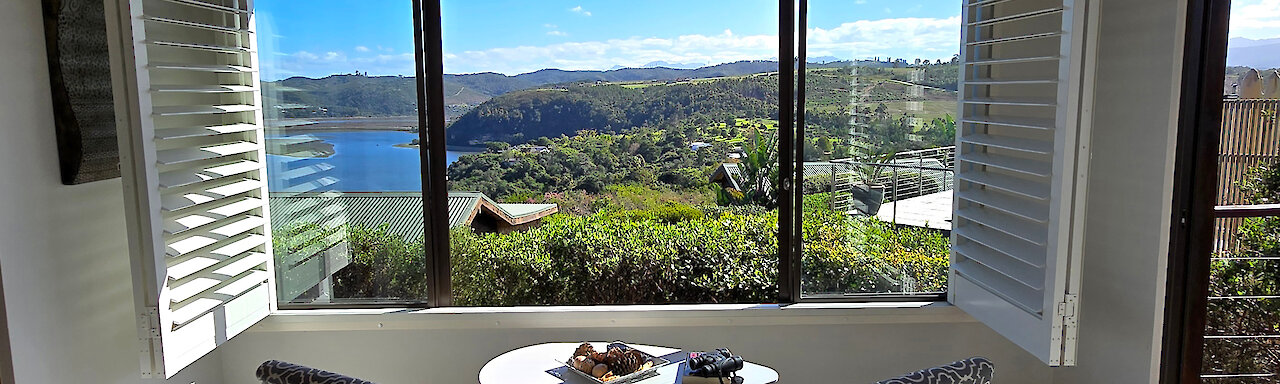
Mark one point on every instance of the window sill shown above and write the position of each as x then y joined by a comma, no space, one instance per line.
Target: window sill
611,316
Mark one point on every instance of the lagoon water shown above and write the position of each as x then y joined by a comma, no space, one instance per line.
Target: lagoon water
364,161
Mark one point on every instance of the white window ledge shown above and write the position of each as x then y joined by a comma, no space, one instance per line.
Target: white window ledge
692,315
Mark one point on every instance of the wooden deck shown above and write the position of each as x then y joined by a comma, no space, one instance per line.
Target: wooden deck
928,211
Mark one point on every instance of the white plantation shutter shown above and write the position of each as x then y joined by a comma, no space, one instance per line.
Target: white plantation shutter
1020,167
193,161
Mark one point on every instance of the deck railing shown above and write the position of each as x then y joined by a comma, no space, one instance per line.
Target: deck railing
1242,332
906,175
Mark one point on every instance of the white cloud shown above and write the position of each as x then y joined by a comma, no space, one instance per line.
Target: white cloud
556,33
925,37
304,63
901,37
579,10
361,48
1255,19
635,51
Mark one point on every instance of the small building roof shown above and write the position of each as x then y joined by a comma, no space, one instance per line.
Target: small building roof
401,211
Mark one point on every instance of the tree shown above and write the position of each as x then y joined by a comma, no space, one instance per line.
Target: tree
759,174
496,146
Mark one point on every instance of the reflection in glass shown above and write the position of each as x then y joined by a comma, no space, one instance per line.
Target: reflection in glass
343,166
879,142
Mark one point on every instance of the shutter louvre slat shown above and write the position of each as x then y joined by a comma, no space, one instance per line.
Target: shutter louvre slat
1016,248
1015,122
191,24
1015,17
200,47
1004,223
203,88
1028,277
1012,143
205,131
1017,207
1025,166
1013,39
1009,184
186,178
1013,60
215,68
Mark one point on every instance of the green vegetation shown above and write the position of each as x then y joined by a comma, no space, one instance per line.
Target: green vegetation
610,108
590,162
671,253
1258,237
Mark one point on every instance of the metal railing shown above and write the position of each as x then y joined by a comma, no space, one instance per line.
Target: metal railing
1242,322
907,175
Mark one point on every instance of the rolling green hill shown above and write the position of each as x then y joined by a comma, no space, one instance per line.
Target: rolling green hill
566,108
610,107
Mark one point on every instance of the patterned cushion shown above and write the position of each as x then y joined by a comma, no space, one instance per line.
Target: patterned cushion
279,372
974,370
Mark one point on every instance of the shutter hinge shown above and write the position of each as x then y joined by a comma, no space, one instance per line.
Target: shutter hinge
148,343
1068,311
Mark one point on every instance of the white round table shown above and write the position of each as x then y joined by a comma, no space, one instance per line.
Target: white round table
544,364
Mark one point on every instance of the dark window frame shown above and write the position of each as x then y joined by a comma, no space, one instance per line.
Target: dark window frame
1195,190
429,69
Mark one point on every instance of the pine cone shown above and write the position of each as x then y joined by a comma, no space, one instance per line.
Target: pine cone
627,362
598,357
585,349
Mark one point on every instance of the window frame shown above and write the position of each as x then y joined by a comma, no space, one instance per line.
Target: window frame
429,70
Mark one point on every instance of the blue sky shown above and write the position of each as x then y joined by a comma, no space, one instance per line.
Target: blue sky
317,38
1255,19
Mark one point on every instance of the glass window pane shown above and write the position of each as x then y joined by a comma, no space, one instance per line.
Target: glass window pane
592,145
343,164
879,132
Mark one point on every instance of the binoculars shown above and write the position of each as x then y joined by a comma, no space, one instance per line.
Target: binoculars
720,363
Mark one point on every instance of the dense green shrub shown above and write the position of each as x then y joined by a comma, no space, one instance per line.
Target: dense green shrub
846,254
601,259
383,265
672,253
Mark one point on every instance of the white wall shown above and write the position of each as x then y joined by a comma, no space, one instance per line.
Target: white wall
67,280
1130,192
804,346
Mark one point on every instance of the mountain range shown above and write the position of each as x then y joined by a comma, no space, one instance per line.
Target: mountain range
345,95
1260,54
359,95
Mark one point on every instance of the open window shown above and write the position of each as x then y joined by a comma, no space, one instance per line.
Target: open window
1021,163
195,158
192,157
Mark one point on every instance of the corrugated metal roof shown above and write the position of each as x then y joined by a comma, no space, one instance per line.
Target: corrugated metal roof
401,211
461,207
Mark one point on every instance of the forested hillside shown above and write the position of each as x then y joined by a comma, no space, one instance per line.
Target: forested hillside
566,109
